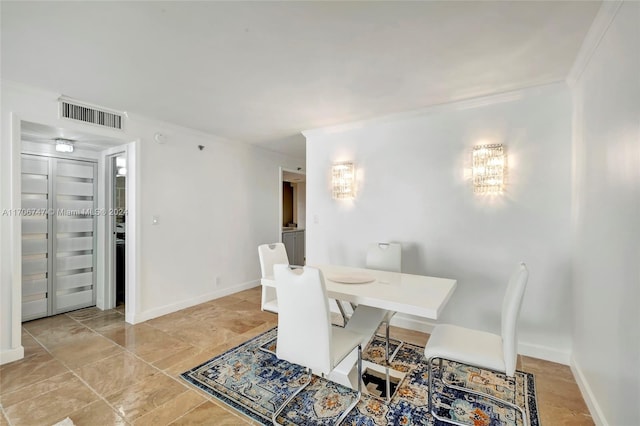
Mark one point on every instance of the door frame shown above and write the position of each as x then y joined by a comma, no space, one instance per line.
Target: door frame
106,298
11,232
280,213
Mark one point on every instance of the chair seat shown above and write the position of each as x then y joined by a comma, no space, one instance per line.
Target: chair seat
366,320
342,344
465,345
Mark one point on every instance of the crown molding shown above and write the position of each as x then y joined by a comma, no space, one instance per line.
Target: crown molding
592,40
464,104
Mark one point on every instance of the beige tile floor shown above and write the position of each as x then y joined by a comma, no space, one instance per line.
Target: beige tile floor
91,366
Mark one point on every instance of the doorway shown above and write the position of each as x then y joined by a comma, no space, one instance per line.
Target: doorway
64,245
118,218
292,218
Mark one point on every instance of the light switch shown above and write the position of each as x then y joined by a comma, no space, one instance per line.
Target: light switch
155,220
316,219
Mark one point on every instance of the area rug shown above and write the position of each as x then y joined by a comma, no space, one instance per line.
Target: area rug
252,380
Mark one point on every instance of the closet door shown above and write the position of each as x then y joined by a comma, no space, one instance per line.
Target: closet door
58,235
74,230
36,229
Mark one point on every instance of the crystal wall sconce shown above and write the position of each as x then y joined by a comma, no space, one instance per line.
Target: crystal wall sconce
488,169
343,181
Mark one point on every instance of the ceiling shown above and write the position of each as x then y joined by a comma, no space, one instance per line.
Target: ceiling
40,133
293,177
261,72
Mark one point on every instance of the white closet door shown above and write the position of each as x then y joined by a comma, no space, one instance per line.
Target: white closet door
58,235
74,227
35,236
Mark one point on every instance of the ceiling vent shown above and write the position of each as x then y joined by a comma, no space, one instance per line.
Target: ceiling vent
87,113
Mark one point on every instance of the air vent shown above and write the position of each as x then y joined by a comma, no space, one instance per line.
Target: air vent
90,114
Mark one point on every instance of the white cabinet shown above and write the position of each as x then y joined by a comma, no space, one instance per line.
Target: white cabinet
294,245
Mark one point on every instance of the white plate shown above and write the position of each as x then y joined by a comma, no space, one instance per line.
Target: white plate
351,278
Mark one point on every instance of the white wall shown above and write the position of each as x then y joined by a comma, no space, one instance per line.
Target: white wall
606,335
301,204
412,189
215,207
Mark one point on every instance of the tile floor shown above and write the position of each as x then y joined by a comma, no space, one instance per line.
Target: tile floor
96,369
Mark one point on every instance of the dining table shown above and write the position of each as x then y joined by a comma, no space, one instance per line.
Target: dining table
412,294
399,292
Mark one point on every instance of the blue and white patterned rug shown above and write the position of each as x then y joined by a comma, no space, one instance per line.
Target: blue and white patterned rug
255,382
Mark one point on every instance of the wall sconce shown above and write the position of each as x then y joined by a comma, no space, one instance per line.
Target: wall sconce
342,181
64,145
488,169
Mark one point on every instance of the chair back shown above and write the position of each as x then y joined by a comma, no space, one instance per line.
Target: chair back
384,257
510,311
304,319
271,254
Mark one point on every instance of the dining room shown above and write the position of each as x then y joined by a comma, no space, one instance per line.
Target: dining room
474,135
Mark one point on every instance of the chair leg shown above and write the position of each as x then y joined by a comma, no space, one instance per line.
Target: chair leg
430,370
360,368
463,389
489,396
293,395
387,342
345,319
346,412
386,363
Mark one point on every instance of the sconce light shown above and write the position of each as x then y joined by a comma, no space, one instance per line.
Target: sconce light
488,169
64,145
342,181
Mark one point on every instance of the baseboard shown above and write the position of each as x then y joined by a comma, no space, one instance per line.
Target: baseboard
544,352
412,323
173,307
587,394
10,355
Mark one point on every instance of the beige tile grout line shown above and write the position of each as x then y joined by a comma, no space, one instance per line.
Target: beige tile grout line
181,382
201,392
5,416
184,384
135,356
198,391
100,397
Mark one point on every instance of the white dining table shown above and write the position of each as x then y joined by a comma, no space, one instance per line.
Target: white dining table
419,295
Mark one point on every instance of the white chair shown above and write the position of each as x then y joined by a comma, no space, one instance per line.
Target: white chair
305,334
479,348
384,257
270,254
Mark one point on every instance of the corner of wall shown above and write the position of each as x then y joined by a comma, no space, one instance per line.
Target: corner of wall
592,403
596,32
10,355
